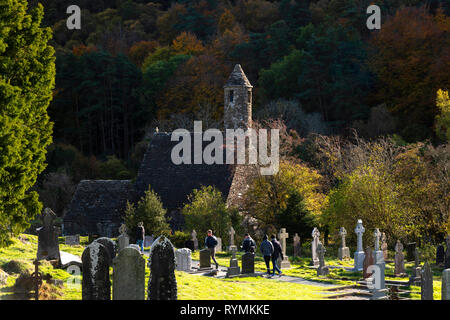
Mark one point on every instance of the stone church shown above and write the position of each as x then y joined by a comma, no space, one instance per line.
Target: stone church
98,206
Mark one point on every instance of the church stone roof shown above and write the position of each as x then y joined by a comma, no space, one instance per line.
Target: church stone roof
174,183
98,201
238,78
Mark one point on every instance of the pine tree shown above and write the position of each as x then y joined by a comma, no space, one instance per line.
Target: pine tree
27,75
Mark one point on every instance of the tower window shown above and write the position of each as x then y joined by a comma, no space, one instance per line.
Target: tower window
231,95
249,95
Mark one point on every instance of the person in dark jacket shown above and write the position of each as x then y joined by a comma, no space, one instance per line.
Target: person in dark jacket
211,243
248,245
277,252
267,251
140,235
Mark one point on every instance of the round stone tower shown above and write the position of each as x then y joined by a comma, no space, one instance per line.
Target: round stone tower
238,101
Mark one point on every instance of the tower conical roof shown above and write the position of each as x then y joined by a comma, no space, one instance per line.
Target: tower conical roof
238,78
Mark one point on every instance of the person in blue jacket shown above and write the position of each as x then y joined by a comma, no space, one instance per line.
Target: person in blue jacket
267,251
211,243
277,252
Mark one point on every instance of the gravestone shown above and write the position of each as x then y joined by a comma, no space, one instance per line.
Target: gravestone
447,254
384,246
231,233
189,244
343,251
426,292
110,246
440,255
378,255
399,270
377,282
95,284
218,247
128,275
205,259
123,239
48,244
183,259
322,270
194,239
148,241
445,295
283,235
297,246
359,253
134,246
416,270
248,263
315,241
234,268
162,284
410,250
368,261
73,240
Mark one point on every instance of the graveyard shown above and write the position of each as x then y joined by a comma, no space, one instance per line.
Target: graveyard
300,281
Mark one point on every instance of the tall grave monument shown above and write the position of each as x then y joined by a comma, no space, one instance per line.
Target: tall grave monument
343,251
359,253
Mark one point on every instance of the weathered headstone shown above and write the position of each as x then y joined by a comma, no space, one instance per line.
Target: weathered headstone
135,246
128,275
205,259
315,241
426,292
219,244
194,239
183,259
384,246
368,261
447,254
95,283
445,284
322,270
377,281
297,246
234,268
283,235
148,241
416,271
248,263
359,253
73,240
440,255
399,269
110,246
48,244
231,233
343,251
162,284
410,250
123,239
378,255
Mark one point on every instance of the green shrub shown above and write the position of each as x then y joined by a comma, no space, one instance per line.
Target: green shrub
179,238
150,211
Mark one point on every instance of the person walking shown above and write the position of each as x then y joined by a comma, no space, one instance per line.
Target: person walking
248,245
140,235
211,243
267,251
277,252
